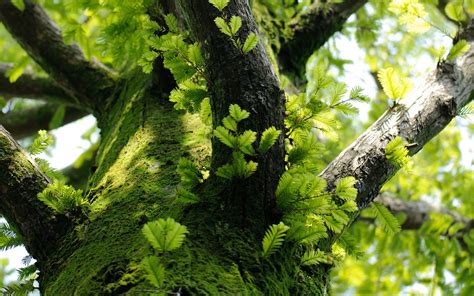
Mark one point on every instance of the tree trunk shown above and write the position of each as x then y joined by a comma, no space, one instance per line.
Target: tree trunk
135,182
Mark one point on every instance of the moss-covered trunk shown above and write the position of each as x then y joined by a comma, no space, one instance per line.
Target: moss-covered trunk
134,182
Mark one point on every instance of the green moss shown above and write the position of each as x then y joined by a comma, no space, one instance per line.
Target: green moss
135,182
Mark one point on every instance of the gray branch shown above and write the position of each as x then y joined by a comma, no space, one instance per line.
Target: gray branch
88,82
417,119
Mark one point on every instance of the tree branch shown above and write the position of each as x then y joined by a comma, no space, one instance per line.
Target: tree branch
417,119
27,122
30,87
311,30
20,181
418,212
89,83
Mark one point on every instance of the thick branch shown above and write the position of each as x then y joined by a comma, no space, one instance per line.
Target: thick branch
31,87
417,119
88,82
249,81
311,30
20,182
27,122
418,212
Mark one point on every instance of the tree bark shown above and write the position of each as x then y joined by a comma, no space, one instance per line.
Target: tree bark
417,119
20,181
249,81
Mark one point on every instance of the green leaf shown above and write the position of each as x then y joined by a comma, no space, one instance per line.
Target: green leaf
250,42
230,123
155,272
226,171
41,142
225,137
269,137
235,24
164,235
393,84
186,197
238,168
312,257
195,55
274,238
396,152
246,140
219,4
385,218
349,206
357,94
223,26
63,198
189,173
237,113
171,23
58,117
458,49
19,4
345,188
454,11
333,224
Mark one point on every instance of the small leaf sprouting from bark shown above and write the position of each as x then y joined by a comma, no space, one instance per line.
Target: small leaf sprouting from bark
250,42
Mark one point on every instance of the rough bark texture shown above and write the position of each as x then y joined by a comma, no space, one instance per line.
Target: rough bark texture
249,81
417,119
88,82
311,30
27,122
31,87
20,181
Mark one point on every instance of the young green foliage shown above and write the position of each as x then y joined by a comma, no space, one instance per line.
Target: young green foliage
250,42
223,26
237,168
273,239
186,197
458,49
41,142
164,235
189,173
155,272
312,257
219,4
396,152
19,4
9,237
237,113
269,137
64,198
455,11
386,219
345,188
394,85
